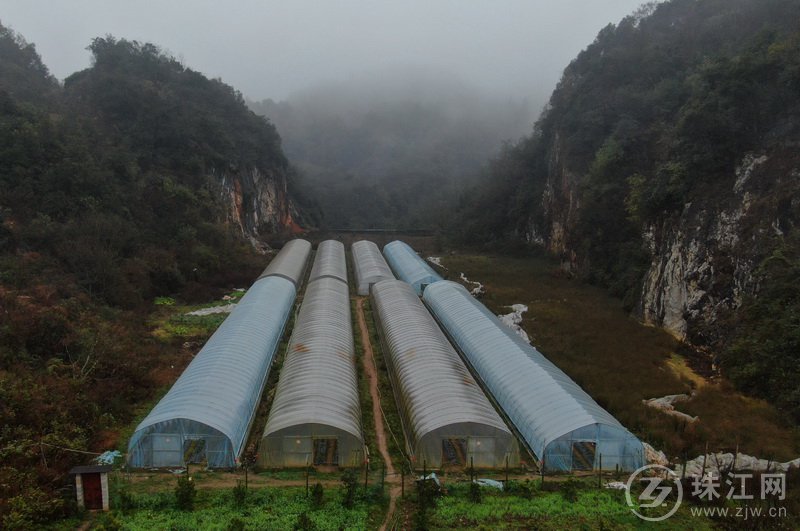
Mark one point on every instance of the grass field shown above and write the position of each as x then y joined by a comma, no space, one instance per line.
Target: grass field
620,362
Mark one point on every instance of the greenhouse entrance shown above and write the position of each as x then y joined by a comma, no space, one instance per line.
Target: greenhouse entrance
166,449
454,452
583,453
194,451
326,452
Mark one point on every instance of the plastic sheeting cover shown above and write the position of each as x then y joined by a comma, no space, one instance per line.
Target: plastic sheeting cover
318,382
545,405
290,262
408,266
219,391
329,261
432,385
370,267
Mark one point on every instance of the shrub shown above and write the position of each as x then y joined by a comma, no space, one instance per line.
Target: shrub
474,493
317,496
523,489
239,494
304,523
185,493
569,490
349,483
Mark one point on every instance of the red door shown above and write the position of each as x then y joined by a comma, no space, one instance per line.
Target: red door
92,491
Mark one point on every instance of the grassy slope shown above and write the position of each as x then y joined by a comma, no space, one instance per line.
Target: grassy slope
620,362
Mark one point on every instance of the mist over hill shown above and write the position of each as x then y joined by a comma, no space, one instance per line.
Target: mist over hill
396,148
665,168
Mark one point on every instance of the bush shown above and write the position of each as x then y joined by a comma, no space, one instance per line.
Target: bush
239,494
349,483
569,490
124,500
317,496
474,493
522,489
304,523
236,524
107,522
185,493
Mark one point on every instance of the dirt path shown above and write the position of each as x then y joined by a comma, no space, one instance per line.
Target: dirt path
380,433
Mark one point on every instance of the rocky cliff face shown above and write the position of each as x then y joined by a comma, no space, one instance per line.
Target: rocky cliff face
257,203
704,260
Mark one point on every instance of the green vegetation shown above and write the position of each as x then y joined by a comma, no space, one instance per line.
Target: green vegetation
640,141
582,508
185,493
110,201
265,508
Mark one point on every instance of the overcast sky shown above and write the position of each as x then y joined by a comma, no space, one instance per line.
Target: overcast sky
271,49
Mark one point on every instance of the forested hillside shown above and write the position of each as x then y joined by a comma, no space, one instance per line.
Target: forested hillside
666,167
138,178
393,150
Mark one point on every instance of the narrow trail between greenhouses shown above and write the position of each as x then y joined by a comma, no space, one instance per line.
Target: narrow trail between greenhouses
380,433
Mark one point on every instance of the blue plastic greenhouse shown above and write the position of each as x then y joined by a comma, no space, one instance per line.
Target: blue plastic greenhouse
206,415
563,426
408,266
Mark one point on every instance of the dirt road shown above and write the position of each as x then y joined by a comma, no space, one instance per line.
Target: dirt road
380,433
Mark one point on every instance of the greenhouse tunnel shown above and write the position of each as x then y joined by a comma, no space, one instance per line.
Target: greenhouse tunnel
315,419
409,266
447,420
560,423
369,265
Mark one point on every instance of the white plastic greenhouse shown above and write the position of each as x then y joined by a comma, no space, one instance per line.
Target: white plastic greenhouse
329,261
290,262
565,428
446,418
408,266
207,413
316,418
370,267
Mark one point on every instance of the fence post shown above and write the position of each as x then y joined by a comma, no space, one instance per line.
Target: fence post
705,456
471,468
542,470
600,473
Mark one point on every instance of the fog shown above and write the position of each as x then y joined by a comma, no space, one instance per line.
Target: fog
273,49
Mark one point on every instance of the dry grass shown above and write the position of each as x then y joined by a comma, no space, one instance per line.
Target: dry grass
620,362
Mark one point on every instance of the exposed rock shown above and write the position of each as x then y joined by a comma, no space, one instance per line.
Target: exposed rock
258,204
717,463
703,260
653,456
667,405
